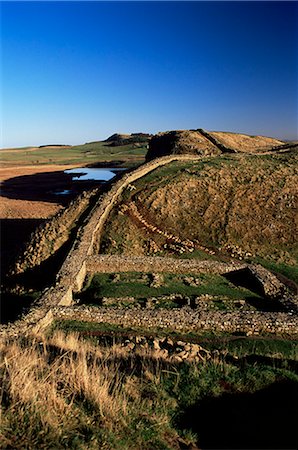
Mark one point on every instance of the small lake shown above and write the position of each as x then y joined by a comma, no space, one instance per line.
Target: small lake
92,174
81,178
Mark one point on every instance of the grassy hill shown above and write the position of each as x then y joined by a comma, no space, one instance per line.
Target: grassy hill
239,205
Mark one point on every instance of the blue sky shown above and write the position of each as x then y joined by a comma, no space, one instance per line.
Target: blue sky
79,71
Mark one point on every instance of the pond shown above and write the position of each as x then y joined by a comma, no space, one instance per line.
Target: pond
92,174
74,181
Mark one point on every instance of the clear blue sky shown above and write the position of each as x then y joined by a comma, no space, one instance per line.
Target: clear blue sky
79,71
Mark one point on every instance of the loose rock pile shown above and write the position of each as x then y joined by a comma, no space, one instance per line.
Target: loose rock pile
166,348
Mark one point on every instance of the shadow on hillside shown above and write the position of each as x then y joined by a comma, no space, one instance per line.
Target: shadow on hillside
13,306
245,278
38,187
14,234
33,281
266,419
43,275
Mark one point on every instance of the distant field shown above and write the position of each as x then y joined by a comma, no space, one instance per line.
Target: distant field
81,154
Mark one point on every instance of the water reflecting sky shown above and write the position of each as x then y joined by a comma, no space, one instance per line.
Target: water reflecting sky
96,174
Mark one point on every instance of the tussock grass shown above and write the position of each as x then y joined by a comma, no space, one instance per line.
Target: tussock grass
63,391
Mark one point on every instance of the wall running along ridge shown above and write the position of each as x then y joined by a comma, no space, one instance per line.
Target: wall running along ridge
73,271
51,235
80,261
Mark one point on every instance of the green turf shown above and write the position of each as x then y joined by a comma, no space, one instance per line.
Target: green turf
132,284
80,154
238,346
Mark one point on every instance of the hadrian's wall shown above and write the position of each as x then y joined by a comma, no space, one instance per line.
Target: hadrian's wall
184,319
113,263
80,261
73,271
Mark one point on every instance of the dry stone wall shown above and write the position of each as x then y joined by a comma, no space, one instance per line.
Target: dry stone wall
184,319
72,273
112,263
79,262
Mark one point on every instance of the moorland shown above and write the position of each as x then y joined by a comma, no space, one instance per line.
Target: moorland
157,310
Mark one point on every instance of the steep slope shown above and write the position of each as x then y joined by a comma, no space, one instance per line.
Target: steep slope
202,142
240,204
245,143
180,142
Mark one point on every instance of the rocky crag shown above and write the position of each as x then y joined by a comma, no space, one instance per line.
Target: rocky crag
203,142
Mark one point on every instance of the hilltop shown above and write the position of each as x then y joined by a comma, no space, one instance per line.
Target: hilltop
137,139
203,142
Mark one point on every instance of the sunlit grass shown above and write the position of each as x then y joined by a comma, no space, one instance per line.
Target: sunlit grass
67,392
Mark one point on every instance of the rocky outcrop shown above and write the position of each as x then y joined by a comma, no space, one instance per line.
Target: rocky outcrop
181,142
117,140
203,142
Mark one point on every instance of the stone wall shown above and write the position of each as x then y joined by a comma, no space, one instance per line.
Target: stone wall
79,262
184,319
113,263
71,276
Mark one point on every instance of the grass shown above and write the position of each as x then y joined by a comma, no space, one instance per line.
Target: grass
288,271
238,346
135,285
215,206
80,154
67,392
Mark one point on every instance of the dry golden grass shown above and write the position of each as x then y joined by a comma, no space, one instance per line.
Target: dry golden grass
64,392
244,142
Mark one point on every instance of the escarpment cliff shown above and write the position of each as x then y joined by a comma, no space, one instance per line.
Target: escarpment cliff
180,142
204,143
